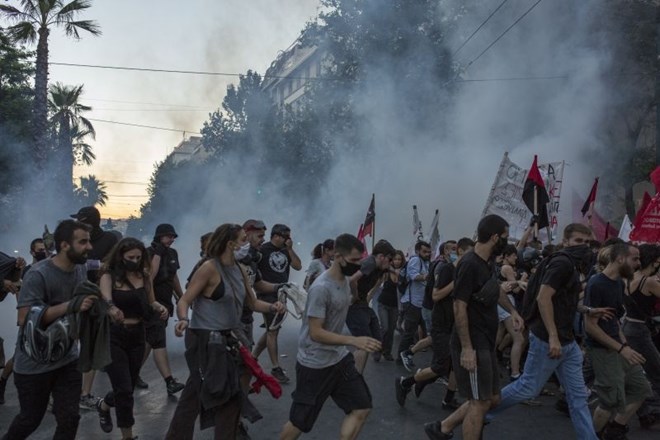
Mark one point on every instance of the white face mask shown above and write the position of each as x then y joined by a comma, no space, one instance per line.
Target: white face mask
242,252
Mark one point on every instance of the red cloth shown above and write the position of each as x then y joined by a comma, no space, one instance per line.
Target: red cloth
655,178
261,377
647,225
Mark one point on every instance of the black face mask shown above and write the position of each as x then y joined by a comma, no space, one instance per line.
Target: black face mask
582,257
131,266
40,255
498,249
349,269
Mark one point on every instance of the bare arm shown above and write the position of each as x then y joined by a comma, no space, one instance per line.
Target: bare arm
523,240
105,284
296,264
155,265
441,293
461,323
546,309
594,330
653,287
196,286
178,292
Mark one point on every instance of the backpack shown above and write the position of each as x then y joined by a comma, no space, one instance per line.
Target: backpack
430,278
402,283
529,309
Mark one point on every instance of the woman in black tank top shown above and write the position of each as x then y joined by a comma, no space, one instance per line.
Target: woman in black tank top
642,295
126,287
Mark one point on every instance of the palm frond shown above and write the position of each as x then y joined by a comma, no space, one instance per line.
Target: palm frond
71,28
23,32
74,7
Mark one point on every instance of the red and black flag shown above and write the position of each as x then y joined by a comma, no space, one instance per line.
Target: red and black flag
535,185
591,199
370,219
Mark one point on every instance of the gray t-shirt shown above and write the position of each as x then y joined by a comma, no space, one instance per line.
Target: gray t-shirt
329,300
46,284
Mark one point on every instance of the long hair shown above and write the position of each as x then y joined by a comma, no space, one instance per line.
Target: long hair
113,263
223,234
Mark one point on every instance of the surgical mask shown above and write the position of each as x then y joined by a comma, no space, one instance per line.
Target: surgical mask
242,251
131,266
41,255
349,269
453,257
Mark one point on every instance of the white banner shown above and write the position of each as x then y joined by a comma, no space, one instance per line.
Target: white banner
505,197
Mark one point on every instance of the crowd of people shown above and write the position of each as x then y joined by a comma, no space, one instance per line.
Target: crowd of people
581,313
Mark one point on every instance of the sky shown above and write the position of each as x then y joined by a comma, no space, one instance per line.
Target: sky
205,35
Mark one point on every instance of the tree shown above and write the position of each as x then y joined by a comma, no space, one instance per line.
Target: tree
91,191
33,22
70,128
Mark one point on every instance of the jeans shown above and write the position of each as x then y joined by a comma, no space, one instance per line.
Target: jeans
127,347
538,369
412,318
640,339
34,390
387,317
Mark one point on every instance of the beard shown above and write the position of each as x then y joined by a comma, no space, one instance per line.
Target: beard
75,257
627,272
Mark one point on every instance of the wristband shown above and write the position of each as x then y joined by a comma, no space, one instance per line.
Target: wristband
109,302
624,345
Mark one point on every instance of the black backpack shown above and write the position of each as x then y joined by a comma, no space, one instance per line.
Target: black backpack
530,309
430,278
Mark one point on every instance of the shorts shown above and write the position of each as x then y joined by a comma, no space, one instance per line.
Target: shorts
617,382
358,320
484,382
155,333
270,298
441,361
502,314
341,381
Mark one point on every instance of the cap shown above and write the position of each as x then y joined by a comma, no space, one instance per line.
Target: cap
254,225
89,215
165,229
280,229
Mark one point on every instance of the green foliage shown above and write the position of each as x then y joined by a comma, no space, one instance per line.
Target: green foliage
90,191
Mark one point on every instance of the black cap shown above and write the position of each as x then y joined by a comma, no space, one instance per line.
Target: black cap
280,229
89,215
165,229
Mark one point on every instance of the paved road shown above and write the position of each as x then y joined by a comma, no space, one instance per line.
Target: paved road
387,421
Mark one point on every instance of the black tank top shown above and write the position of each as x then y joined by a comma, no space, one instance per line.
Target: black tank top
133,303
643,305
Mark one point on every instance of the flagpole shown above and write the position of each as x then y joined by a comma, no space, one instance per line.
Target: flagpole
373,234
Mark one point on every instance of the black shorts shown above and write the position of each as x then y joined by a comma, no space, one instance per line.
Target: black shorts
482,383
341,381
155,330
441,361
270,298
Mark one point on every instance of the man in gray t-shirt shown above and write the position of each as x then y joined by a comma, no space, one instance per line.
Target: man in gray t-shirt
51,283
325,368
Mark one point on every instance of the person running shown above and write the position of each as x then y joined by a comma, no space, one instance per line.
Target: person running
163,270
126,288
476,295
619,382
278,257
322,257
388,299
642,293
102,242
325,368
216,293
442,322
45,296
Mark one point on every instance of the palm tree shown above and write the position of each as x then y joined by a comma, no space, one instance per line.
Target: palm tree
32,22
71,129
91,191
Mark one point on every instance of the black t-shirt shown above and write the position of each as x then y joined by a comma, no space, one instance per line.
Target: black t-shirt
102,243
164,279
371,275
428,289
603,291
472,273
275,263
561,275
442,318
388,297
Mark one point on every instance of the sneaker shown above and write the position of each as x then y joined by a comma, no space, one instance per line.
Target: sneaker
401,391
407,360
452,405
434,432
105,419
139,383
89,402
3,386
561,405
532,402
279,374
514,377
388,356
174,386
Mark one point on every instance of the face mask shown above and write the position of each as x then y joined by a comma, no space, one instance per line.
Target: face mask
581,253
499,246
41,255
349,269
453,257
242,251
131,266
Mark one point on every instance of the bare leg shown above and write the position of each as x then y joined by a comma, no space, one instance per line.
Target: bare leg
624,416
601,417
473,422
421,345
454,419
516,348
424,375
162,362
361,358
260,346
452,385
88,382
289,432
352,424
126,433
9,367
271,342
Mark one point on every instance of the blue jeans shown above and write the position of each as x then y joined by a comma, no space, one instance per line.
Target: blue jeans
538,369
